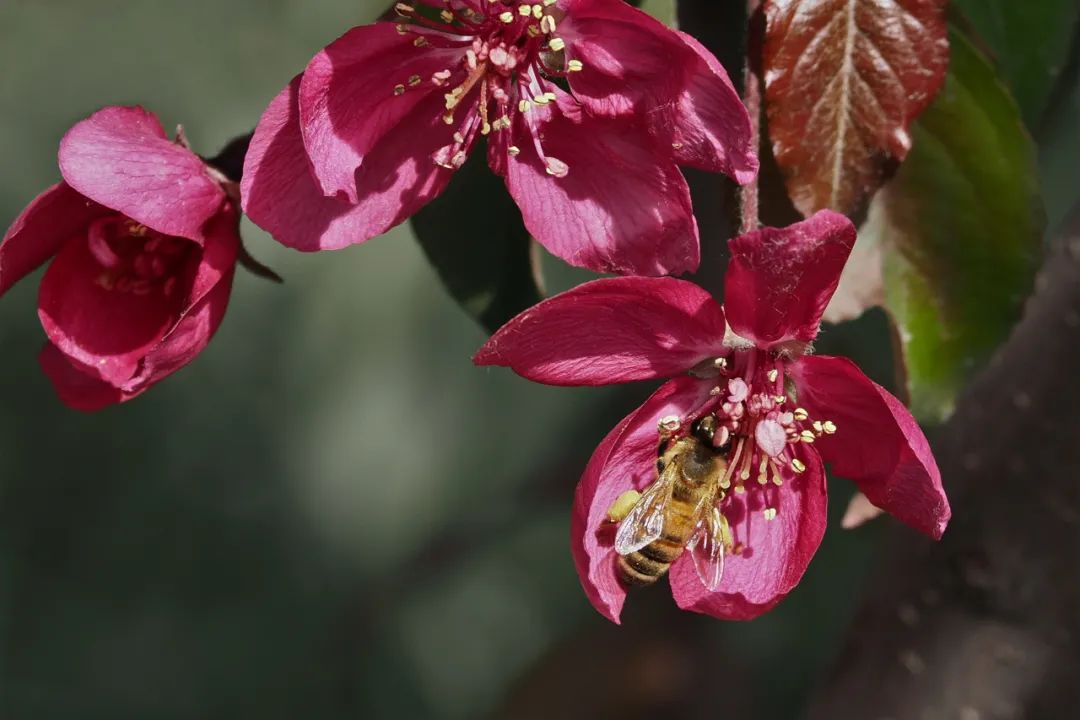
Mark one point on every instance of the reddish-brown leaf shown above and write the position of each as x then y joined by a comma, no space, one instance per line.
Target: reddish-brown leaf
843,81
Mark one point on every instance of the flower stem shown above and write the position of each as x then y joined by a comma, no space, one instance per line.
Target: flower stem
752,100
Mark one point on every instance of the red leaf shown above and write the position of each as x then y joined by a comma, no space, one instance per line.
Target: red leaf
843,81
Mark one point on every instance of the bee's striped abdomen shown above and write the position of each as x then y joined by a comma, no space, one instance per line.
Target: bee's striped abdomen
647,565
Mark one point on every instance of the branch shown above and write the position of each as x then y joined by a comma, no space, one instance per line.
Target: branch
982,625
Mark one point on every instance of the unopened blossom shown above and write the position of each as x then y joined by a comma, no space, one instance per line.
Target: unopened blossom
588,108
773,412
141,241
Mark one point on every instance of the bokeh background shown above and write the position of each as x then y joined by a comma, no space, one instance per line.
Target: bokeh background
332,513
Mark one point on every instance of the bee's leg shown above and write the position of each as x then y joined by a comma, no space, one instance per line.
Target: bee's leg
623,505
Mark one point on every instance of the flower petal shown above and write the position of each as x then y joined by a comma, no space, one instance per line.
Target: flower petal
780,279
610,331
121,158
105,329
878,444
776,555
208,300
281,196
626,459
633,64
78,389
348,100
622,206
53,218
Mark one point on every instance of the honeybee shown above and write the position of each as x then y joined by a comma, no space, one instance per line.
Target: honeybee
680,511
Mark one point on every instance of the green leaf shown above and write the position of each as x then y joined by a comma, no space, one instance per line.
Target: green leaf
960,227
1030,42
474,237
662,10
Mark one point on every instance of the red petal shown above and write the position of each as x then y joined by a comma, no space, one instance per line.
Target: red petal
780,279
622,207
778,553
635,65
209,299
348,101
610,331
878,444
281,196
54,217
625,460
107,330
77,389
121,158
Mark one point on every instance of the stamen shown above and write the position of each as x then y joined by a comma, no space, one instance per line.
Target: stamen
575,66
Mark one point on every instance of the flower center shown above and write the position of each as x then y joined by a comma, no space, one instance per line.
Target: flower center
510,53
135,259
754,422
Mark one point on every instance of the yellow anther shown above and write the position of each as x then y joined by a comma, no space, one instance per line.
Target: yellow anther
404,9
577,66
414,80
458,137
556,44
524,106
525,10
669,424
448,118
801,415
739,489
829,427
818,427
485,128
399,89
541,99
534,31
798,466
447,16
420,42
507,17
459,158
770,513
402,29
514,150
538,11
773,374
806,436
551,97
623,505
549,3
780,399
777,480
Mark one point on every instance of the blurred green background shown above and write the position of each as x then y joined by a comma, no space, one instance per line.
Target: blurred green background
331,514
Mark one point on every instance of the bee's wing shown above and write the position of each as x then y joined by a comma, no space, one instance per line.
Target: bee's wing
645,521
706,547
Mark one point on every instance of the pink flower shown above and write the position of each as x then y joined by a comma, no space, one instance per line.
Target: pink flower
378,122
143,242
771,412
